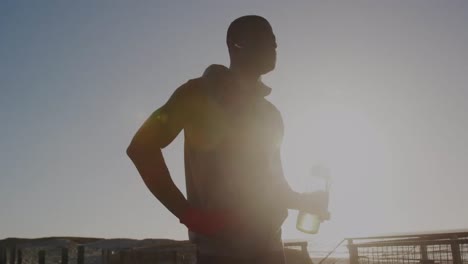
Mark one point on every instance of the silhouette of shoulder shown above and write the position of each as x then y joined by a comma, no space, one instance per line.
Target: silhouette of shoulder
183,98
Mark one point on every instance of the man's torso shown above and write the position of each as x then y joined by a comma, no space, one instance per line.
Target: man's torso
229,142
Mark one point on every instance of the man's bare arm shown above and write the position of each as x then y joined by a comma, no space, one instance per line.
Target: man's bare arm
288,197
158,131
315,202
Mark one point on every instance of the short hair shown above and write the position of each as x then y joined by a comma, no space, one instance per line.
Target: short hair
240,28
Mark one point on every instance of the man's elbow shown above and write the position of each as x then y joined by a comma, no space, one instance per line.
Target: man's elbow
135,150
140,151
131,152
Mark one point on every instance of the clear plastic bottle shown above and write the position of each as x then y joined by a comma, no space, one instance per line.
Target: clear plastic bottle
307,222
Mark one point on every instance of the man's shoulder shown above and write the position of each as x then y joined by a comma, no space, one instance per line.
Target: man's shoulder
190,87
187,93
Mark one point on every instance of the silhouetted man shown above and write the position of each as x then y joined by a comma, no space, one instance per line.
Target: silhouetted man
237,196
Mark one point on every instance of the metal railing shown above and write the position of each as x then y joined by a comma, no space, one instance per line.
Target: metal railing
443,248
22,251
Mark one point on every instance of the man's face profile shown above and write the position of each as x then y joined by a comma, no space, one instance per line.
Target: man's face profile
254,45
261,50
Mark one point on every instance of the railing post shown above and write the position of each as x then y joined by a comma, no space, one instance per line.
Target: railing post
353,252
423,249
176,258
64,256
3,259
81,255
104,258
13,254
455,246
304,248
41,256
20,256
122,256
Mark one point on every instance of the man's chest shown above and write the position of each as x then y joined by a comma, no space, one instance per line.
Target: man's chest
247,126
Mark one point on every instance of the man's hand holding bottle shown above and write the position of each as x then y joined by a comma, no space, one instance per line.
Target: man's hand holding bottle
315,203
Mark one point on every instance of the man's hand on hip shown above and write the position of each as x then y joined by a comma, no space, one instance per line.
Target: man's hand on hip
207,222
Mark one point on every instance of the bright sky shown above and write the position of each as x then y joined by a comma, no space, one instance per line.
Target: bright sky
375,90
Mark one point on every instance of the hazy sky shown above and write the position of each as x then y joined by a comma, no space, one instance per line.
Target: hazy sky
375,90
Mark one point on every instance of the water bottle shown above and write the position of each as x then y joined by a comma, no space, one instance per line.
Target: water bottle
307,222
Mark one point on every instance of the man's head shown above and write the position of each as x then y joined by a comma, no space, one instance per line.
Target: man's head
252,44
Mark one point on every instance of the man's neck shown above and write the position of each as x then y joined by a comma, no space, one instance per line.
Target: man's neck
244,76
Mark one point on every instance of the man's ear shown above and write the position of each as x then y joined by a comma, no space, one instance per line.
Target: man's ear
239,46
236,44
